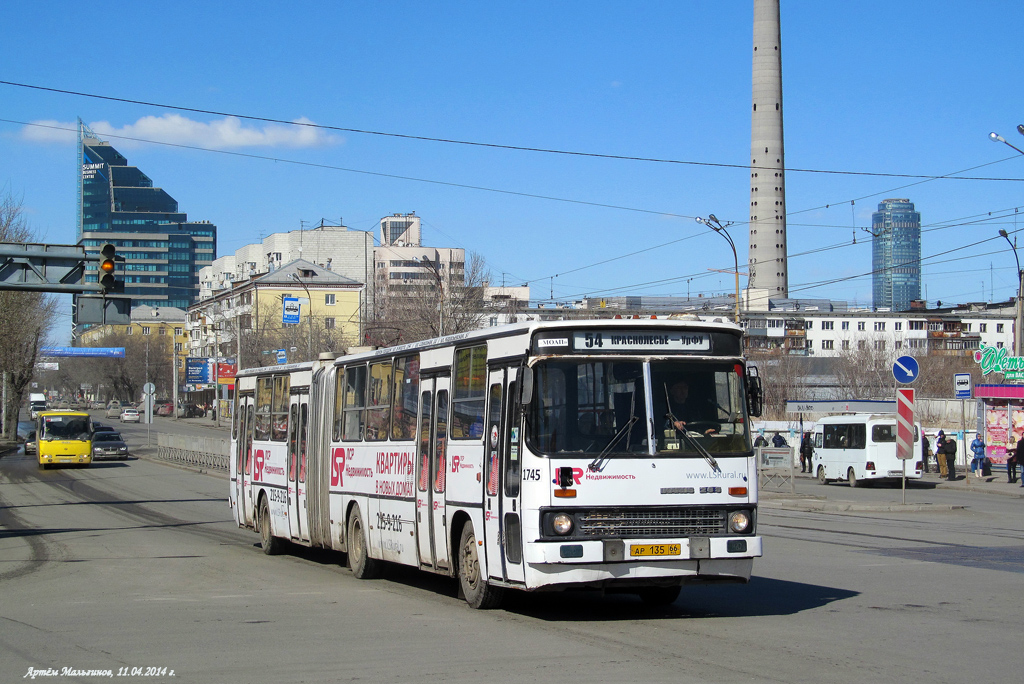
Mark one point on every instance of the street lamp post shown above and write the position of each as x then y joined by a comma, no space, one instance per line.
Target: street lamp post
1019,309
309,317
435,267
715,225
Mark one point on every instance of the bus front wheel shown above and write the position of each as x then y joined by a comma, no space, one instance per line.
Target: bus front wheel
478,593
821,475
359,561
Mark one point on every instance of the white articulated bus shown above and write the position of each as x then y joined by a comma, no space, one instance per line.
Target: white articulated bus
608,454
861,448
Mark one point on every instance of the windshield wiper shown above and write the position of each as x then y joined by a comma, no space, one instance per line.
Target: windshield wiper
693,442
598,463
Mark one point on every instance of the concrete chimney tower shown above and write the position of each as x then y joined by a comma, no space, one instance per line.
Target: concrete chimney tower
767,256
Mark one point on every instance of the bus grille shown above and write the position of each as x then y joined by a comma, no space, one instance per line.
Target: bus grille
651,522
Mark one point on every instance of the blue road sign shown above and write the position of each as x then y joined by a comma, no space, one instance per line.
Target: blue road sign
905,369
290,312
963,385
282,356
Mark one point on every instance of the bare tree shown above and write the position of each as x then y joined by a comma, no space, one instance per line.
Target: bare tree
26,319
428,309
781,378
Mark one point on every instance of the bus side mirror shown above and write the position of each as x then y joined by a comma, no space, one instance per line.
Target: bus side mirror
755,393
525,385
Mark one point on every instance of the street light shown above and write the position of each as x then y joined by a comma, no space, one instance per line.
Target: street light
435,267
1019,317
715,225
995,137
309,317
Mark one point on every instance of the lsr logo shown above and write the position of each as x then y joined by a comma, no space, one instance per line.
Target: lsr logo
259,460
577,475
460,464
338,456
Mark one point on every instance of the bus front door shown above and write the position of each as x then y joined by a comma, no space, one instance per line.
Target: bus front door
243,462
431,474
502,529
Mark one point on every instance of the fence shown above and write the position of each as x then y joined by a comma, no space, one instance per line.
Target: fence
202,452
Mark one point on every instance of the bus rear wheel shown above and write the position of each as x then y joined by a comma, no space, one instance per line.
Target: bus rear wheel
271,544
359,561
851,477
478,593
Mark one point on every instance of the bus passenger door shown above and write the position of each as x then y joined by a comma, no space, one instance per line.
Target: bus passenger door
297,427
431,474
243,455
511,466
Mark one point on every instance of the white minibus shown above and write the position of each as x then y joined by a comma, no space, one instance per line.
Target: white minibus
862,447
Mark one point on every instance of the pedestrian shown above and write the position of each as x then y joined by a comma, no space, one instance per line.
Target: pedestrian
805,453
926,450
1015,460
760,441
978,449
949,449
778,441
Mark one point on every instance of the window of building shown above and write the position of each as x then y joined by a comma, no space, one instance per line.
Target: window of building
899,344
329,323
178,346
827,325
880,345
145,330
329,300
163,331
899,325
967,327
846,345
131,329
846,325
860,325
917,325
999,327
826,344
177,332
983,327
879,326
999,345
862,344
808,325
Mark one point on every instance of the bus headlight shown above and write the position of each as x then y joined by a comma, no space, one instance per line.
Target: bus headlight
739,521
561,523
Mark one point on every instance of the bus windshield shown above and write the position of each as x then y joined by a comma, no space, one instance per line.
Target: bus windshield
601,406
66,427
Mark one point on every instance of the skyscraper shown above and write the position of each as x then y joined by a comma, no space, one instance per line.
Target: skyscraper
118,204
895,255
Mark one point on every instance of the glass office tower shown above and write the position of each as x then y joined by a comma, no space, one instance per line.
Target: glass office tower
895,255
118,204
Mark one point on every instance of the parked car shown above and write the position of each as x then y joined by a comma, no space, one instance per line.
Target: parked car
191,411
165,409
30,443
108,445
130,415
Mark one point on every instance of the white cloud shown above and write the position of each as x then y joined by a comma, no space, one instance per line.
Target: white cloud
227,133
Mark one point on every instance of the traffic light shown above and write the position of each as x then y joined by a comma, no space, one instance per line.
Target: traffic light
105,274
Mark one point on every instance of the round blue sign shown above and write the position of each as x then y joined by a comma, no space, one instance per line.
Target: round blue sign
905,369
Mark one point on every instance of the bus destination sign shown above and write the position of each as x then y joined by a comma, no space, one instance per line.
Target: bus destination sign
639,340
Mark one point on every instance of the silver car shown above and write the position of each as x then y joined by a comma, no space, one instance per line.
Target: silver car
108,445
130,415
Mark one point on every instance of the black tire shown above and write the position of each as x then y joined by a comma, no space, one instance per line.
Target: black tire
478,593
851,478
271,545
359,561
659,596
821,475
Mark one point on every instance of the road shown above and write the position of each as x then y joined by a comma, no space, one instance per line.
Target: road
137,564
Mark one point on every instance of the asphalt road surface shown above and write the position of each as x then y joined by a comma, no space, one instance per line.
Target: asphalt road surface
137,564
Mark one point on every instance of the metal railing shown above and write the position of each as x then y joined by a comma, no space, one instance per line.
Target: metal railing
200,452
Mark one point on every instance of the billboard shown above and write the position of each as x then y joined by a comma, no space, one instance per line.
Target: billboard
198,371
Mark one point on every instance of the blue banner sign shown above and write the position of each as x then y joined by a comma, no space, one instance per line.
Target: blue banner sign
291,311
198,371
106,352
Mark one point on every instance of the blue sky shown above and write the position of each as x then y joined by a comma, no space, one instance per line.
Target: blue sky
905,88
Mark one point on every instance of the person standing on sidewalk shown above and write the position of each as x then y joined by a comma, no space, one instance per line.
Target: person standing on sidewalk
978,449
926,450
949,449
1013,461
940,454
805,453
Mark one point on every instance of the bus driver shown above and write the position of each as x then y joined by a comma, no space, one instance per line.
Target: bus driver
679,405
